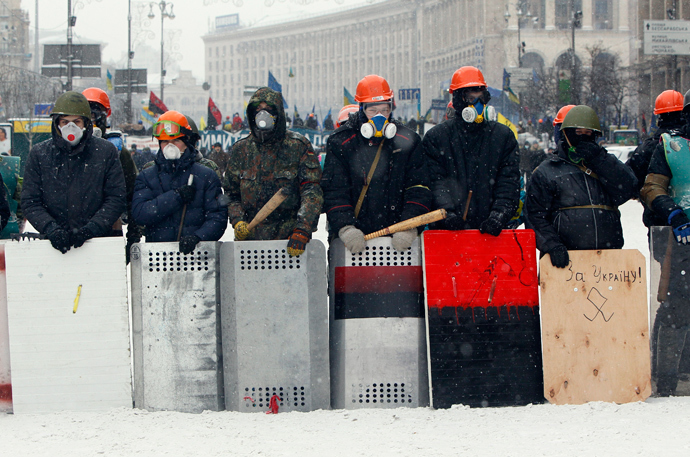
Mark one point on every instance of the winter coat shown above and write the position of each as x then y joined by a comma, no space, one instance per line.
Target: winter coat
81,186
400,185
261,164
157,206
639,163
482,158
558,187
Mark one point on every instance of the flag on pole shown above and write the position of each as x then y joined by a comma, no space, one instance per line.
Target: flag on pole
156,105
348,99
202,123
109,80
215,118
506,88
147,117
291,74
273,84
295,113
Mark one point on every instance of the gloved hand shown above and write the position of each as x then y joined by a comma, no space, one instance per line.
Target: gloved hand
352,238
188,243
298,242
493,224
453,220
241,231
559,256
681,225
588,150
80,236
403,240
59,239
186,193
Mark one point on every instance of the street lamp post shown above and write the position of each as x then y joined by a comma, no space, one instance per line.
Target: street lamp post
521,6
163,5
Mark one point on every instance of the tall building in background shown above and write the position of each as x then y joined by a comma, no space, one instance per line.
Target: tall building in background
412,43
14,35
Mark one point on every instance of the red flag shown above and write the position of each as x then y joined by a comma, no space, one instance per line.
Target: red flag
156,105
214,116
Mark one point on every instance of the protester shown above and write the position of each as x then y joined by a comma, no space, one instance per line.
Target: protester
374,173
74,187
177,198
269,159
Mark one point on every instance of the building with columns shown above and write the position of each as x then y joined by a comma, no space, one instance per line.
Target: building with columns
412,43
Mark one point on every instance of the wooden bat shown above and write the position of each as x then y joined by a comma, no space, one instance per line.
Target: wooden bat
268,208
408,224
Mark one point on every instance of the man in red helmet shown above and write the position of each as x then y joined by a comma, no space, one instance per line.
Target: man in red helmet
473,161
669,109
374,173
100,111
177,198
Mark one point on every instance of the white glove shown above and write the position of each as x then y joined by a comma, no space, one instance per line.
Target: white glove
403,240
352,238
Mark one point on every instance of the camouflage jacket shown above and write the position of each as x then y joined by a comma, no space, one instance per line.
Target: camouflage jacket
261,164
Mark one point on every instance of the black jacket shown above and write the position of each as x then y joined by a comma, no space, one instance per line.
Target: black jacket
481,158
157,206
74,187
558,185
399,188
4,206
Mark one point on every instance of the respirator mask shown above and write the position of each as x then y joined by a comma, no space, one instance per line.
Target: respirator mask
378,126
265,121
71,133
171,152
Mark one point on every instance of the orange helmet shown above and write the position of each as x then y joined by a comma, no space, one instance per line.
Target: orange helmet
467,77
561,114
171,125
668,101
373,88
94,94
345,113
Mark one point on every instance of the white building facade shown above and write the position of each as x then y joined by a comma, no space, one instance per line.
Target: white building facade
412,43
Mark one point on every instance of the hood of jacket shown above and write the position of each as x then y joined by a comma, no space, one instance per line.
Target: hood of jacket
275,101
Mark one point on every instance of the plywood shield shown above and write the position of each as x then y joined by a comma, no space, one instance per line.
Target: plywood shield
595,328
67,355
482,318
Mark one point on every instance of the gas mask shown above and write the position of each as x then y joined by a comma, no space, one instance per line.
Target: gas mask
265,120
171,152
378,126
71,133
478,112
97,132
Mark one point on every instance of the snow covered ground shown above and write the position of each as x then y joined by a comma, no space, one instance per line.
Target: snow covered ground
656,427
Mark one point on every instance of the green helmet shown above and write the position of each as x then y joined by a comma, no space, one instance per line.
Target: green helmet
194,137
582,117
72,104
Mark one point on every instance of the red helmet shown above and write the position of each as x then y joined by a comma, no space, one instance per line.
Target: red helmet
345,113
668,101
94,94
561,114
467,77
169,126
373,88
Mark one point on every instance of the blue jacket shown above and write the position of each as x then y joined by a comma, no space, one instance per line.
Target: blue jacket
157,206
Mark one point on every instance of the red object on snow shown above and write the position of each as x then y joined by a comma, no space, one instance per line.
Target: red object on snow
273,404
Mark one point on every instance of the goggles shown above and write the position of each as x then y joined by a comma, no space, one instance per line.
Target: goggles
372,109
168,128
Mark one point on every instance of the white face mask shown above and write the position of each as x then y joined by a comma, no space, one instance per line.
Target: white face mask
71,133
171,152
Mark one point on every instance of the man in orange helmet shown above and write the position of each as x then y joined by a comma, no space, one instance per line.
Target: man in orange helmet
374,173
100,111
669,109
473,161
177,198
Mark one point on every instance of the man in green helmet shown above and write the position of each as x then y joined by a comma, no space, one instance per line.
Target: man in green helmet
74,186
573,197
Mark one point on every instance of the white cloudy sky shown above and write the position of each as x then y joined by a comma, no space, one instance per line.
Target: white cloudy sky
106,21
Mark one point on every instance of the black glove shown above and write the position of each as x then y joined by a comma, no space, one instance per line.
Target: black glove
492,225
298,242
78,237
188,243
453,220
559,256
588,150
59,239
186,193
